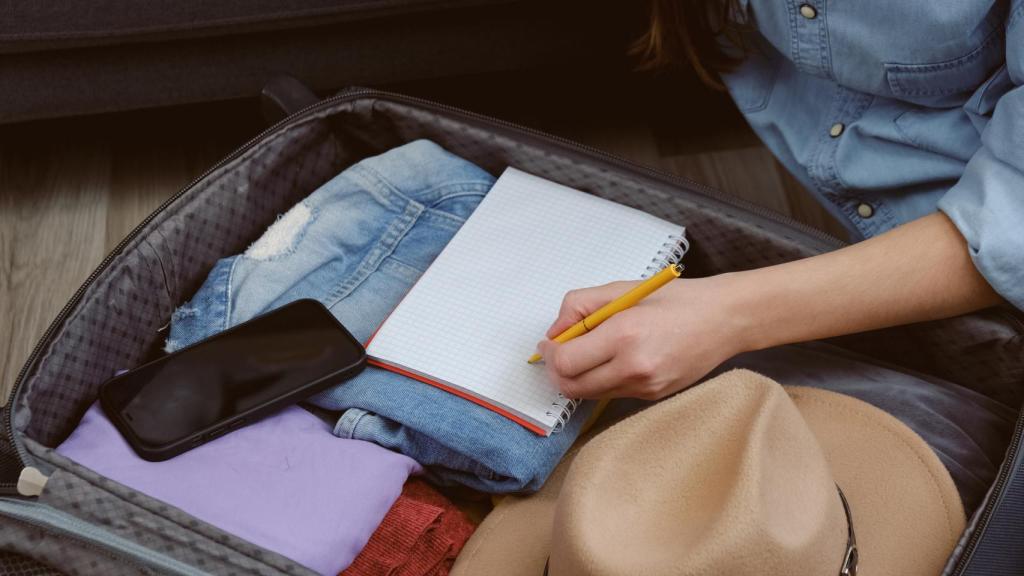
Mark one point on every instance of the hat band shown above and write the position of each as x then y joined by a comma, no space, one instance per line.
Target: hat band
851,556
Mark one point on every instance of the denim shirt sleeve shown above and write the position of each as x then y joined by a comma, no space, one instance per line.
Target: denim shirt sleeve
987,203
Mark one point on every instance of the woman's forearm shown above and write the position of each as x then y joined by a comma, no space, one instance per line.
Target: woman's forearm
919,271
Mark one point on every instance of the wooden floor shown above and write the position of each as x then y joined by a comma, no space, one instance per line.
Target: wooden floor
71,189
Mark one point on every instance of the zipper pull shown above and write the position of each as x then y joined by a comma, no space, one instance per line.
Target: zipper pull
31,481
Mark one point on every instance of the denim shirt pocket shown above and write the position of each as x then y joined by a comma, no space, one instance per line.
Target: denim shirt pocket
949,82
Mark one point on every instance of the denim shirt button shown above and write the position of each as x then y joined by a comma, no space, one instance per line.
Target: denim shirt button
865,210
808,11
836,129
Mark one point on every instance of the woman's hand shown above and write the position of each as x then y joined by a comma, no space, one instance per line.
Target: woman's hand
663,344
919,271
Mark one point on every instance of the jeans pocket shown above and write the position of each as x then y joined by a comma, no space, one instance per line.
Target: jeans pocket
364,308
461,204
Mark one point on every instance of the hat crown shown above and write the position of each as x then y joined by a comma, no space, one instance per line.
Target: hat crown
629,502
725,479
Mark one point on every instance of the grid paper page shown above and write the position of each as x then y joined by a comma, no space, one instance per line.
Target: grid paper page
478,312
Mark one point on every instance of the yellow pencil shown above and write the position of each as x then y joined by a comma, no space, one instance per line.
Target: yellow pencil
627,300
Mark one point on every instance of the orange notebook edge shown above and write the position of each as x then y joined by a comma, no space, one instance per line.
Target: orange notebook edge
451,390
524,423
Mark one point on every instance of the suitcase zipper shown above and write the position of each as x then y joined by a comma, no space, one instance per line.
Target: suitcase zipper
990,504
8,487
68,527
653,173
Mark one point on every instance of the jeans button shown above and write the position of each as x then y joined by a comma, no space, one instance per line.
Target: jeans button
836,129
808,11
865,210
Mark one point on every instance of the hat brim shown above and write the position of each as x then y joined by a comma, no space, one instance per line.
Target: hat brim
906,511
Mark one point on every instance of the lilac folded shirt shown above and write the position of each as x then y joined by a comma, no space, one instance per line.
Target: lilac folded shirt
285,483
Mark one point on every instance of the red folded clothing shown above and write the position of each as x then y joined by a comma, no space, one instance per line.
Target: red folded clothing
421,535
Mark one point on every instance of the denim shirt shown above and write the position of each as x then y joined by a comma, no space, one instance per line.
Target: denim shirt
887,111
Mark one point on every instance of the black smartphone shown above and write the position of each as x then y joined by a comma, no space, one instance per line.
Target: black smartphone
198,393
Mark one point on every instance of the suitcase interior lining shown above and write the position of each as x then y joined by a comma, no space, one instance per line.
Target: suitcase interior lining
116,323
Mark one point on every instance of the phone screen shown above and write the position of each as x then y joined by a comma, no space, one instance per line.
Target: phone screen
287,353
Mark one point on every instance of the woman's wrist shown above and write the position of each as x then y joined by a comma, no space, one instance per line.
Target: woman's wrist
744,308
741,309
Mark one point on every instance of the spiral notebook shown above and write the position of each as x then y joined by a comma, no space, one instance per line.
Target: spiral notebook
477,313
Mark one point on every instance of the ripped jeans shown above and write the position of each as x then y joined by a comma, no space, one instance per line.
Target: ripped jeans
358,244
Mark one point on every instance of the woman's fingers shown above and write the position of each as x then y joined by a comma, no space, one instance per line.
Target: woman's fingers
665,343
605,380
577,304
580,354
611,360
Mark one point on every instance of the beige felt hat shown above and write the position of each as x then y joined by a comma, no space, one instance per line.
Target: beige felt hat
735,476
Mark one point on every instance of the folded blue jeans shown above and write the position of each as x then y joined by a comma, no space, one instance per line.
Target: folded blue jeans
358,244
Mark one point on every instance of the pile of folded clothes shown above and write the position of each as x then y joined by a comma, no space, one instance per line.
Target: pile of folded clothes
421,534
340,494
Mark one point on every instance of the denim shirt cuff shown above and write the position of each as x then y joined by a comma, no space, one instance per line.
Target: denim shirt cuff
985,206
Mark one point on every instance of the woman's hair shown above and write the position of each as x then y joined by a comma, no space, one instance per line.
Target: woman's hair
692,31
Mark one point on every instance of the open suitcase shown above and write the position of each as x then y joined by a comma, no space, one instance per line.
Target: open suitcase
81,523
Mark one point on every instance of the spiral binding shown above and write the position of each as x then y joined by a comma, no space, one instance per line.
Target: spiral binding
564,410
671,252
